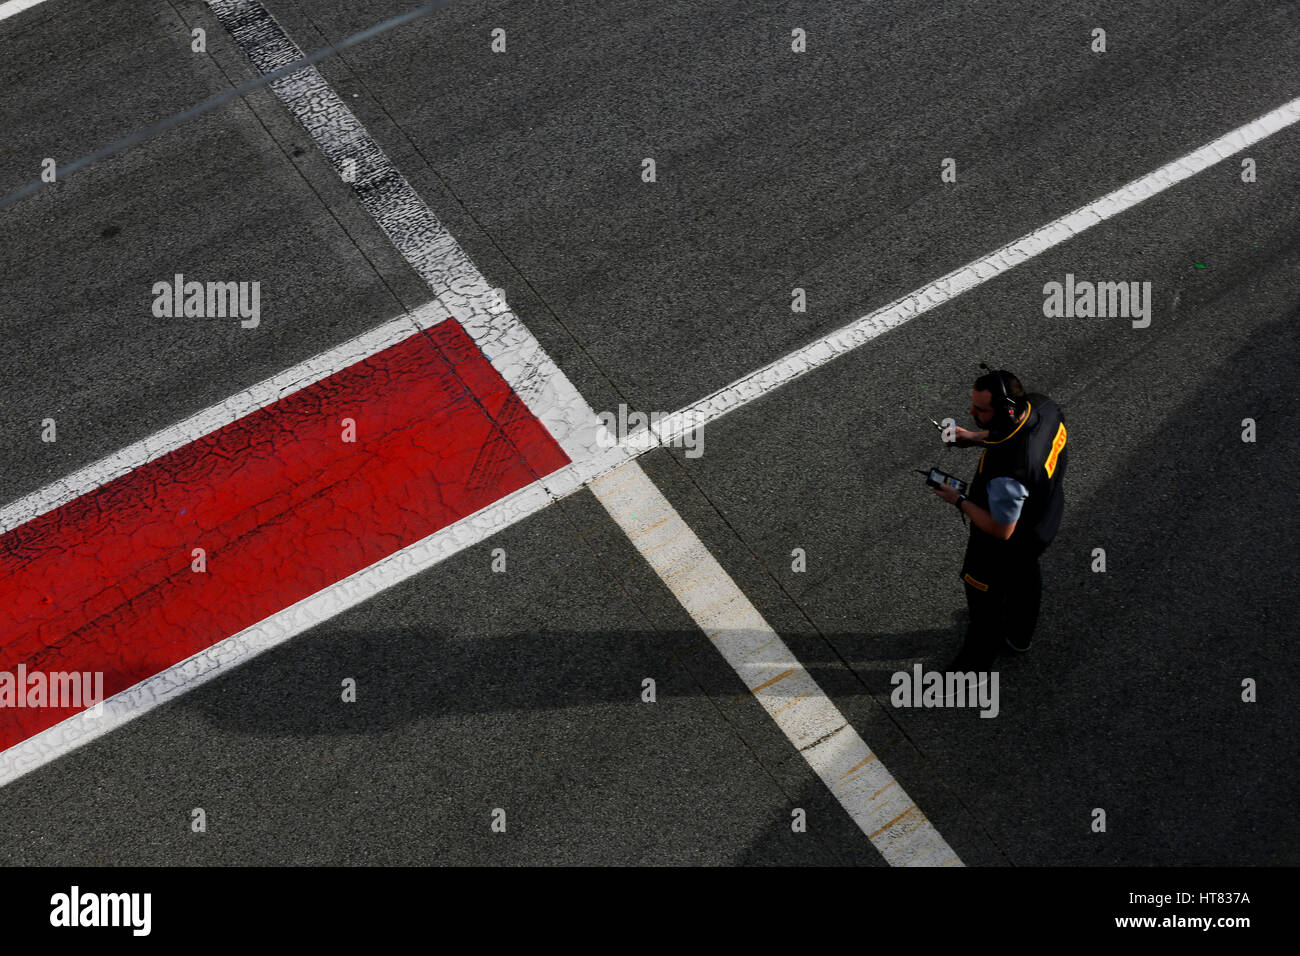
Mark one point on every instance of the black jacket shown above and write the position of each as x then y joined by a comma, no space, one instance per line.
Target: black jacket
1035,455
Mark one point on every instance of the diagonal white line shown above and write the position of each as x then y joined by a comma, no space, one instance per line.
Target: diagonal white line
857,777
975,273
414,230
14,7
223,413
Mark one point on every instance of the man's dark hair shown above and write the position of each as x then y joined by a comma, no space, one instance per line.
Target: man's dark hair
988,382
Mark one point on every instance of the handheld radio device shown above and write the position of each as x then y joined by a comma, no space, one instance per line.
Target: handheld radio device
934,478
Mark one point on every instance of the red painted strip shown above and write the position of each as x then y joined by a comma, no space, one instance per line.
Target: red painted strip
282,506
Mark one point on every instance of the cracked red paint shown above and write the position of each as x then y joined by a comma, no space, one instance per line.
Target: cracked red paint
281,505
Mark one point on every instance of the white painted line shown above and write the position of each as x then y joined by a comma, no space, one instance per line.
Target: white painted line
223,413
14,7
415,231
80,729
225,655
857,778
946,288
278,386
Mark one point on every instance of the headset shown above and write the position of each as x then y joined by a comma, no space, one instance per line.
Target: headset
1002,402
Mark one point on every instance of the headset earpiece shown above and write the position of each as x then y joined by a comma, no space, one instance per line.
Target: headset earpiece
1002,402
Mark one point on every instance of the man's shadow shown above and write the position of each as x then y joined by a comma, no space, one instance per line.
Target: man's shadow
346,680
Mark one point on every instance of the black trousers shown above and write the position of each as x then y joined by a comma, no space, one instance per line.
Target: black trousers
1004,604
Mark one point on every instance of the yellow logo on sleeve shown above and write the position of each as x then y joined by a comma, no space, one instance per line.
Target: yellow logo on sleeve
1057,444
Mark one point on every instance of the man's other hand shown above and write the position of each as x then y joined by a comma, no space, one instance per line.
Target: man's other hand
964,438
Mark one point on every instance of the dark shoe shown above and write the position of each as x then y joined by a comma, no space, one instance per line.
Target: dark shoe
970,659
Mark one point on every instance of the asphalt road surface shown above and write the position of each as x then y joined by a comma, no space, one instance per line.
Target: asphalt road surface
775,170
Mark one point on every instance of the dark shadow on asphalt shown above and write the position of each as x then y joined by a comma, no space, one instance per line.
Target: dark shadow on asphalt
405,673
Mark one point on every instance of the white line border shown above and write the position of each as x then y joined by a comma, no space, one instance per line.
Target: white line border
975,273
14,7
855,776
264,393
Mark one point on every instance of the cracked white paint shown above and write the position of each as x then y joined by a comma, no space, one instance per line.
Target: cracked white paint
461,290
223,413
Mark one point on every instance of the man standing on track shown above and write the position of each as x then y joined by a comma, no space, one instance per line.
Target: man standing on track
1014,506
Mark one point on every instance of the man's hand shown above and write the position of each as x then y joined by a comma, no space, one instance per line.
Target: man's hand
947,493
979,517
964,438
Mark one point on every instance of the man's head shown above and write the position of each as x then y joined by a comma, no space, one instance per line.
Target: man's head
988,407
